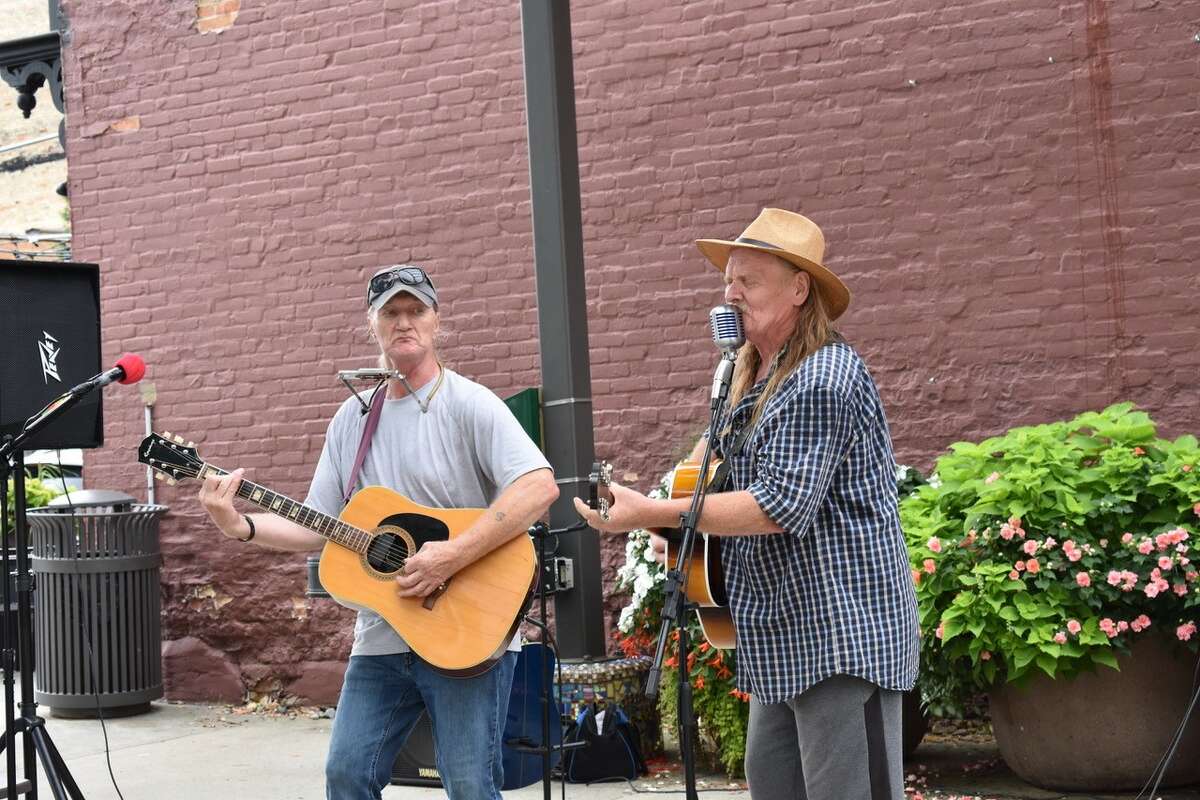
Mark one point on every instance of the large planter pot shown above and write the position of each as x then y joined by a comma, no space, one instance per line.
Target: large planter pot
1104,730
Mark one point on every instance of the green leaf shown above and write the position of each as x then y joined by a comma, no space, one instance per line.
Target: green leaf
1047,663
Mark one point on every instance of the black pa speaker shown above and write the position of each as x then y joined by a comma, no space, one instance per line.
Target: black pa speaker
49,342
417,765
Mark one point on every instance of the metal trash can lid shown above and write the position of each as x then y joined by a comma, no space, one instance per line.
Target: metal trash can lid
92,497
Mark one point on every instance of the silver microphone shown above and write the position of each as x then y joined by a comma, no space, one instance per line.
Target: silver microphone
727,330
729,335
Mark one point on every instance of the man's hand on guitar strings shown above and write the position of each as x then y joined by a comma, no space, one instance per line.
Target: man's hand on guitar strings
427,570
628,510
216,495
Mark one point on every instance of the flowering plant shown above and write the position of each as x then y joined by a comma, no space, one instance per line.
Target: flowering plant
1049,548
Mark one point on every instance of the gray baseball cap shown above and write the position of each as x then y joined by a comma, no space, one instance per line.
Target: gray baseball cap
389,281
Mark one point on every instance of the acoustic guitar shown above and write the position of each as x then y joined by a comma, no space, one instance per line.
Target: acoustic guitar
705,582
461,630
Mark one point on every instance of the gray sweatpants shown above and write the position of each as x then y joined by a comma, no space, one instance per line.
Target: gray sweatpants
838,740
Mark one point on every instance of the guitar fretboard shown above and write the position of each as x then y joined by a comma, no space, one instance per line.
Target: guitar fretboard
324,525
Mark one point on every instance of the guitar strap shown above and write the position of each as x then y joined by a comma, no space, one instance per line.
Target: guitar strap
721,476
368,431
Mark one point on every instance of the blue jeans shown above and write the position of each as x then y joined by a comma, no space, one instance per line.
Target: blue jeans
382,697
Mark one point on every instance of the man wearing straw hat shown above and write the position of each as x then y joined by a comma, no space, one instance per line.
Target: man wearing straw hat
815,563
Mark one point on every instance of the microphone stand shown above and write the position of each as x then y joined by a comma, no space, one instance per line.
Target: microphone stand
676,605
36,738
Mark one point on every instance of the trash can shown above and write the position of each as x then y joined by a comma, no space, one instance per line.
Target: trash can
98,636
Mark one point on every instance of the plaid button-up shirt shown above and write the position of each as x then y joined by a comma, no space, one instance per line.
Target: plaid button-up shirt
832,594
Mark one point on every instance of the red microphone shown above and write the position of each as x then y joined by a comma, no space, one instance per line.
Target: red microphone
129,369
132,368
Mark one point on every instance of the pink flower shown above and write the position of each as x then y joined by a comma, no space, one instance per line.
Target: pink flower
1073,555
1114,577
1060,637
941,629
1032,566
1083,579
1196,509
1030,547
1122,626
1140,624
1151,589
1104,542
1109,627
1145,546
1073,626
1126,538
1184,632
1049,543
1006,532
934,545
1019,566
1137,451
1180,589
930,567
995,476
1192,575
984,655
1164,562
1014,575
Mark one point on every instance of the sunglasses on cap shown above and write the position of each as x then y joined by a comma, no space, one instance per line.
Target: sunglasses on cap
409,276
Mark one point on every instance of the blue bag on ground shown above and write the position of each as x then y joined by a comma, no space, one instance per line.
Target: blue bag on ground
613,748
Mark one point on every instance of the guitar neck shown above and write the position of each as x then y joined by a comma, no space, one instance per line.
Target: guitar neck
323,525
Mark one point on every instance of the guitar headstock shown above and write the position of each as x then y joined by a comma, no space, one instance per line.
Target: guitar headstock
599,495
169,457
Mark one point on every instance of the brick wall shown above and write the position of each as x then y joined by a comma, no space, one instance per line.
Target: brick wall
1009,191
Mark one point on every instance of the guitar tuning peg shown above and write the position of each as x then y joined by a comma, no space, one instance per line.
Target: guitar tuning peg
191,444
166,434
171,481
178,440
158,476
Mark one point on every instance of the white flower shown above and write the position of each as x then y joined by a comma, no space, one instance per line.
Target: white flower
642,584
901,472
625,623
935,480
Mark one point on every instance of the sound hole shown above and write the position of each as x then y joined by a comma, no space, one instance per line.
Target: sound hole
386,553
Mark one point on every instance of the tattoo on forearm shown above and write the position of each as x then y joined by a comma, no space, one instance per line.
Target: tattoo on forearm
500,515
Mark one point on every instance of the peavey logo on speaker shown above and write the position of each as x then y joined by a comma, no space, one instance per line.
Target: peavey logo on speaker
48,349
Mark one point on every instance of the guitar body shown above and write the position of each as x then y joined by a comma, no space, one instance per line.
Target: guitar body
460,631
706,577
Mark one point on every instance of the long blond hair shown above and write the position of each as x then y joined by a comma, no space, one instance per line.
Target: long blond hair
814,329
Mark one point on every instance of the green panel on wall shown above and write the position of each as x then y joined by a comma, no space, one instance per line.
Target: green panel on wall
526,406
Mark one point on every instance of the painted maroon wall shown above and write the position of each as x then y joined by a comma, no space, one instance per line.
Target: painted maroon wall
1009,190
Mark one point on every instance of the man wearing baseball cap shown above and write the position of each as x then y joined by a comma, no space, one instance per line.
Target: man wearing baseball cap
816,569
443,441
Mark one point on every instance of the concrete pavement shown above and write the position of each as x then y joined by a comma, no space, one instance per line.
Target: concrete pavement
188,751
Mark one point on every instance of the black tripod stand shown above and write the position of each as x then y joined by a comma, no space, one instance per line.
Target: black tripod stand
676,606
17,653
550,708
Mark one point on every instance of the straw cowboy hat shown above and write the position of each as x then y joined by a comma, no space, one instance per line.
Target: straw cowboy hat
794,238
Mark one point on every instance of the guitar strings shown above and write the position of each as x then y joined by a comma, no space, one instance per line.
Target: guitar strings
395,555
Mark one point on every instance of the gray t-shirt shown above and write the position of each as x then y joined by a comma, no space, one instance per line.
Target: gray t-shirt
462,453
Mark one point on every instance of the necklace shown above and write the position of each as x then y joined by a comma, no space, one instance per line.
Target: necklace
424,404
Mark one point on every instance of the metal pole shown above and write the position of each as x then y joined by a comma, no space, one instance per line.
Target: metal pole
562,309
